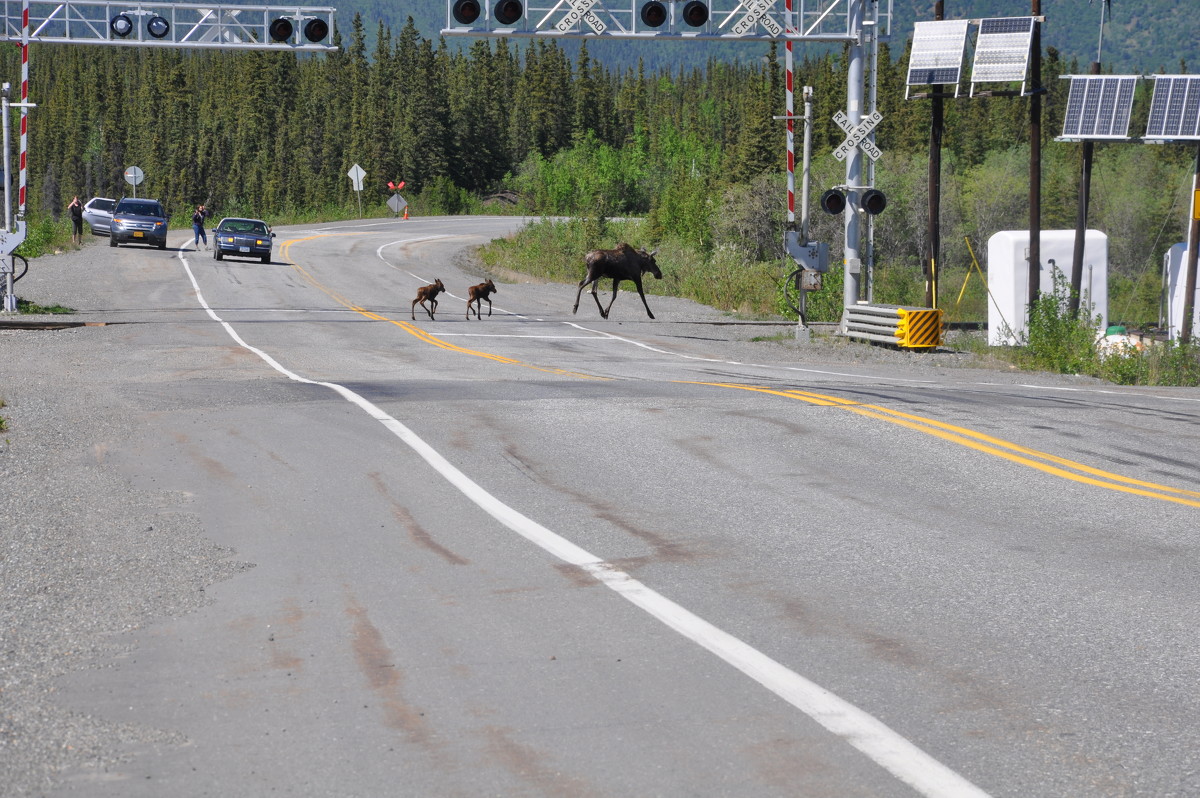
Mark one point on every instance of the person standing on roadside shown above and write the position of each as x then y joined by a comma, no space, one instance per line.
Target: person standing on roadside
198,226
75,211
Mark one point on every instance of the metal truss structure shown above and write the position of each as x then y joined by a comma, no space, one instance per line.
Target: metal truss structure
675,20
193,25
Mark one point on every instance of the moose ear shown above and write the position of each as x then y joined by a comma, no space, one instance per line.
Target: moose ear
652,252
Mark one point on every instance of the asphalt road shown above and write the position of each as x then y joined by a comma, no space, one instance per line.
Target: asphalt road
549,554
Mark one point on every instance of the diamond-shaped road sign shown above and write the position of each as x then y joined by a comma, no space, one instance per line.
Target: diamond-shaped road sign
857,136
356,175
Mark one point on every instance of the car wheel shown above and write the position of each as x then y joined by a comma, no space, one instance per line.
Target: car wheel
217,254
162,244
266,258
112,241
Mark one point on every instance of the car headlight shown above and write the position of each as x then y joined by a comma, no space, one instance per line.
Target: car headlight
160,224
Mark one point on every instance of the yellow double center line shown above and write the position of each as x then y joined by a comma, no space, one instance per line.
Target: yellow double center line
1042,461
409,327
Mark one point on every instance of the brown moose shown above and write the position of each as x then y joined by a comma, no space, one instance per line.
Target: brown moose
428,292
477,295
622,263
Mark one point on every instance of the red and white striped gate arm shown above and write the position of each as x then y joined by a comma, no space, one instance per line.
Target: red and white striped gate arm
24,109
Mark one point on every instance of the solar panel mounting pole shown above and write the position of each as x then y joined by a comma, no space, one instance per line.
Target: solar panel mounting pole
936,128
1189,285
1081,215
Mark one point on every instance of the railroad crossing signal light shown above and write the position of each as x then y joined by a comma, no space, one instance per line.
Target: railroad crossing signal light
315,30
121,25
833,202
280,30
654,14
873,201
695,13
466,11
158,27
507,12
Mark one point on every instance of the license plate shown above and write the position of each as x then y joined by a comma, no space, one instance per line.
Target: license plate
138,234
243,249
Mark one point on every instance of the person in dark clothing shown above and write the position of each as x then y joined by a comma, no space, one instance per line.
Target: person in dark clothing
75,211
198,226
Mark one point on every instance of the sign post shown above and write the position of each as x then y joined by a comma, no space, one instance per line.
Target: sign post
134,177
356,175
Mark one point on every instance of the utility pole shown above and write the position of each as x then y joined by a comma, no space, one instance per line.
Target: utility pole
1035,159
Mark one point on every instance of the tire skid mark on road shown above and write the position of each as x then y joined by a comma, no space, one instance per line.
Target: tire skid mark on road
866,733
982,442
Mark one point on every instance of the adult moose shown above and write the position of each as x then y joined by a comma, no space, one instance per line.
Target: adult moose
429,292
622,263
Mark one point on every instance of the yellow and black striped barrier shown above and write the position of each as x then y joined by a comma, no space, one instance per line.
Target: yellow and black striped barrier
909,328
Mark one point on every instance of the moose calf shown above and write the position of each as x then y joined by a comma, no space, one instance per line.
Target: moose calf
476,294
429,292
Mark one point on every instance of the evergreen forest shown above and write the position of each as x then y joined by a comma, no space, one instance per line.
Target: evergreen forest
501,126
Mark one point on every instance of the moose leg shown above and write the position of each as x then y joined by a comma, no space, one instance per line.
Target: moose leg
414,307
579,293
433,307
604,312
638,283
469,301
489,301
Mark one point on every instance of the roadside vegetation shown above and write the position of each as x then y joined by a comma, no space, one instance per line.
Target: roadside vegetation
521,127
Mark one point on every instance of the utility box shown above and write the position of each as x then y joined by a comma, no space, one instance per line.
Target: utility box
1008,278
1175,272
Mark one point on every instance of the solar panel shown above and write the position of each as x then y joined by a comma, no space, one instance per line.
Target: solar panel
1175,109
937,52
1098,107
1002,50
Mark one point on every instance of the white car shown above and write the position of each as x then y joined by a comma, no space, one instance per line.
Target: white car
97,214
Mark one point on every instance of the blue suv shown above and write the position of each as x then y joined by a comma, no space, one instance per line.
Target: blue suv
142,220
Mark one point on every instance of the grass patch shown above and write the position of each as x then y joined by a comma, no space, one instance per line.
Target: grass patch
3,422
33,309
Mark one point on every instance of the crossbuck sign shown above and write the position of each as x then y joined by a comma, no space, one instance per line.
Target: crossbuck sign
581,9
857,136
756,12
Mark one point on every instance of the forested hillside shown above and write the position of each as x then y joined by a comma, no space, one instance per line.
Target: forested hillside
695,150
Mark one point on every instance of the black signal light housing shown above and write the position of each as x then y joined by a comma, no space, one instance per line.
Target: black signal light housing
695,13
873,201
833,202
654,14
466,11
507,12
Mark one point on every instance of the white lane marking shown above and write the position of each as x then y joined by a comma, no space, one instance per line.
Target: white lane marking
868,734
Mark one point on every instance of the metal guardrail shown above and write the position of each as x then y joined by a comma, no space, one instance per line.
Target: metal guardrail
907,327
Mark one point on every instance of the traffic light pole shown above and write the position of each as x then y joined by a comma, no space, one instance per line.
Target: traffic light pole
852,280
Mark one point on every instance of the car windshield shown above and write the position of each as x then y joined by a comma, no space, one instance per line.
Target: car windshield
244,226
140,208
